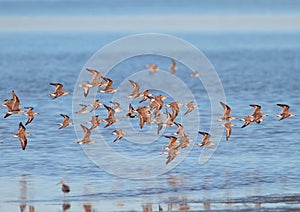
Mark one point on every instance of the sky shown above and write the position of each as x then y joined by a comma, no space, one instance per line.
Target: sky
144,15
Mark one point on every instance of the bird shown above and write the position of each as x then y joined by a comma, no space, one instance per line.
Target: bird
247,119
172,153
30,113
58,90
95,121
190,107
64,188
179,129
205,139
195,74
159,120
22,135
108,88
116,106
228,129
226,115
175,109
135,91
13,105
156,103
131,111
146,96
172,142
96,104
82,109
86,88
152,68
169,121
95,81
144,115
110,119
284,112
65,122
184,140
257,114
173,67
86,137
119,133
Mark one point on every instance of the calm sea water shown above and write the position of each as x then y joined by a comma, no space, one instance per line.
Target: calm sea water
257,168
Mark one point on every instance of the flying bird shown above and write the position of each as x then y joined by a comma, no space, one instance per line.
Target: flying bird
22,135
108,88
228,129
119,133
86,137
65,122
95,81
173,67
205,139
83,109
86,88
135,91
110,116
284,112
226,115
144,115
96,104
58,90
131,111
13,105
95,121
30,113
190,107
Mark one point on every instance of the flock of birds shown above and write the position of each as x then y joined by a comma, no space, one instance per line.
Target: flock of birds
151,112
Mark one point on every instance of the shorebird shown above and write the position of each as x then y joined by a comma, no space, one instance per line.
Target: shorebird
179,129
131,111
108,88
64,188
58,91
86,88
22,135
156,103
257,113
172,153
190,107
95,82
284,112
228,129
144,115
96,104
226,115
247,119
175,109
135,91
173,67
159,120
146,95
195,74
184,140
110,116
95,121
30,113
65,122
119,133
152,68
13,105
116,106
83,109
86,137
172,142
205,139
169,121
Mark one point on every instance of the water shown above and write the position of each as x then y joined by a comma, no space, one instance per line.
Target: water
258,168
